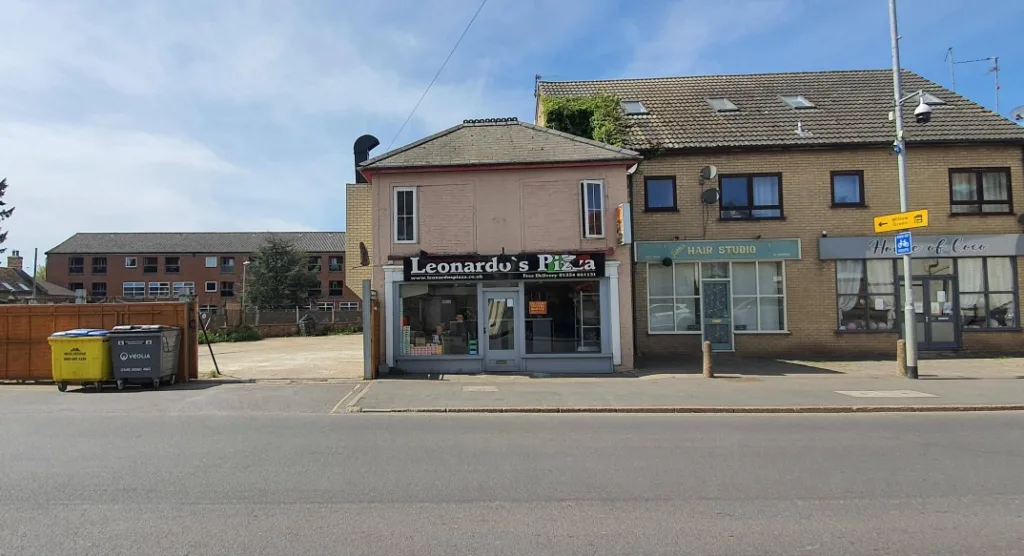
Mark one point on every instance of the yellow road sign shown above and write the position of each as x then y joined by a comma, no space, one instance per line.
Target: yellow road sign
901,221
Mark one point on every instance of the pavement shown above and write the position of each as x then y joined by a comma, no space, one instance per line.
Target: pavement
317,358
750,387
270,480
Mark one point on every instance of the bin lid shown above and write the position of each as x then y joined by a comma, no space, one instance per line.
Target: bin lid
80,332
136,328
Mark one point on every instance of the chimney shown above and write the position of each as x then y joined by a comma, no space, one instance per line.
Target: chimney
15,261
361,150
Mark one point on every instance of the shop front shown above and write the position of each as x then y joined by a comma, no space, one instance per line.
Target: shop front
711,290
530,312
962,284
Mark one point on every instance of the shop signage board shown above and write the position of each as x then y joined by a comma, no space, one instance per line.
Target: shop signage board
901,221
524,266
718,250
880,247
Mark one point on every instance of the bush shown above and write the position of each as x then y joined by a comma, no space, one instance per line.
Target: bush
241,334
340,330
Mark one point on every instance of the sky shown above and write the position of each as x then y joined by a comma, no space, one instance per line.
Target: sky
240,115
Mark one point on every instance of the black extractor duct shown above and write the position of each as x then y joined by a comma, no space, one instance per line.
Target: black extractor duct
362,149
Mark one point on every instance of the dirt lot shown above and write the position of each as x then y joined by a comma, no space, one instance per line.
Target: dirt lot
325,357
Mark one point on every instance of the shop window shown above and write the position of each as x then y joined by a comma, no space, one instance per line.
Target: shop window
673,298
751,197
563,317
405,215
979,191
866,292
987,292
438,319
593,208
758,298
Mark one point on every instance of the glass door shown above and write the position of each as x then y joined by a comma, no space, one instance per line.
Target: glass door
500,334
936,318
716,314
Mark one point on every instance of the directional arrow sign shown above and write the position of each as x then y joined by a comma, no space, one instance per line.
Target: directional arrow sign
901,221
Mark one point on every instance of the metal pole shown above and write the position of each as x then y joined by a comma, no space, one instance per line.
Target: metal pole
909,317
35,273
245,267
368,325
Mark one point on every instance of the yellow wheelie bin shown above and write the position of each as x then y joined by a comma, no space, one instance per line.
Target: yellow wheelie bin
81,356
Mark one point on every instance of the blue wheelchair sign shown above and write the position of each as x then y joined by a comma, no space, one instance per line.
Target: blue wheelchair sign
904,245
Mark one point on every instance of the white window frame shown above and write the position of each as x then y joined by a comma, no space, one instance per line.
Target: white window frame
348,305
135,287
163,289
325,306
732,297
131,262
415,214
208,309
177,287
587,209
215,259
207,286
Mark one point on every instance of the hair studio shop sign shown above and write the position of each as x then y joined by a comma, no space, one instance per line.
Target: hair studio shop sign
533,266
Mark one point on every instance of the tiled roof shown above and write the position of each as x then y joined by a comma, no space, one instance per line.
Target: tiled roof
199,242
498,141
851,107
21,285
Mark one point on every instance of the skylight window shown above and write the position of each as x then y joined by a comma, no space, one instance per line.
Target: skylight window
24,287
633,107
8,286
722,104
797,101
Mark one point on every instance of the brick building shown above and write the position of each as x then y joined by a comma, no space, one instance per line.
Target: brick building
18,286
752,214
149,266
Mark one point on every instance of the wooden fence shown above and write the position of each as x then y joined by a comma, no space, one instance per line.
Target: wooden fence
25,332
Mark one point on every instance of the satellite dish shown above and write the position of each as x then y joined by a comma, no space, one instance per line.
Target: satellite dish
710,196
1017,114
708,172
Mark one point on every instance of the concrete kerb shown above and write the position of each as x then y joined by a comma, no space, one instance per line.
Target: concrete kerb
231,380
818,409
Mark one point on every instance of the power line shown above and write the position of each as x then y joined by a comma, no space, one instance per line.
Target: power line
436,75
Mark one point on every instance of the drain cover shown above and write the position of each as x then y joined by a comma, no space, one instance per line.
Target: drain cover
885,394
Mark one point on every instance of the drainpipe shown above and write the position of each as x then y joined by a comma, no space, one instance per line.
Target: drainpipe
632,261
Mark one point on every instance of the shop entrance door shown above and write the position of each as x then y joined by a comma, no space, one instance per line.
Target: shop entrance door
716,312
501,352
936,316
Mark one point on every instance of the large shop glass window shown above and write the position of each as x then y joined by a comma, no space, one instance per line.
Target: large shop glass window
987,298
563,317
867,295
758,295
438,319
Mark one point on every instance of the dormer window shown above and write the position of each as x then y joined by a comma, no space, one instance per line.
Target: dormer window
797,101
633,107
722,104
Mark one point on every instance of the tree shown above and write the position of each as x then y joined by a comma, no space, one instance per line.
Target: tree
278,277
41,272
5,213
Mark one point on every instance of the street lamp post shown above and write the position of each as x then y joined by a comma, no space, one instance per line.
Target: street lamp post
909,324
245,267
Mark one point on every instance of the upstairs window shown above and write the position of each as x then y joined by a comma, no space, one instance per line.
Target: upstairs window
593,208
131,262
751,197
335,287
150,265
211,262
315,292
172,265
334,264
227,265
980,191
313,265
405,223
227,289
99,265
848,188
797,101
660,193
76,265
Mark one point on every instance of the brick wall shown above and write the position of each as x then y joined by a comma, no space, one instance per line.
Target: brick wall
358,228
806,192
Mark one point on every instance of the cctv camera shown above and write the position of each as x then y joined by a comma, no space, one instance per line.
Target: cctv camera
923,113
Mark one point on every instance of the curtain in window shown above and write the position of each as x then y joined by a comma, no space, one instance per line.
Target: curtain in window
972,283
766,193
848,278
1000,275
964,187
993,186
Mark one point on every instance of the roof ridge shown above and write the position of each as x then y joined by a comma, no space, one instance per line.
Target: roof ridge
704,76
578,139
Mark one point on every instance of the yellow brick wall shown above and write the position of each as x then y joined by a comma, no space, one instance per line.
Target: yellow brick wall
359,228
806,193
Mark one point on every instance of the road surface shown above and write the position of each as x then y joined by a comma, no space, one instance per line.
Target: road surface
143,481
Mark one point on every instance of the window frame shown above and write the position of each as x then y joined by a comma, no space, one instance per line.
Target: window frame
866,293
647,197
340,289
335,263
988,292
979,185
134,262
214,258
698,322
758,296
183,285
348,306
318,291
215,289
799,101
92,289
97,268
227,292
585,205
325,306
314,263
751,207
226,268
163,289
208,309
72,266
860,179
628,112
135,286
71,286
415,215
176,266
725,106
155,266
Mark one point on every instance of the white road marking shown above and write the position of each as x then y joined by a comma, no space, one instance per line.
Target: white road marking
885,394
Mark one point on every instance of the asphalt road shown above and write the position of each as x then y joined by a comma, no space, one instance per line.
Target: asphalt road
252,483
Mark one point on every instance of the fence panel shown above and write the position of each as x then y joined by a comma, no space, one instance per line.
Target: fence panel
25,332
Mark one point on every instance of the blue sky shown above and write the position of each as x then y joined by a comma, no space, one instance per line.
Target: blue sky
240,115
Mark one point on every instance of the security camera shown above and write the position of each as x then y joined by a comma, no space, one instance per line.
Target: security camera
923,113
